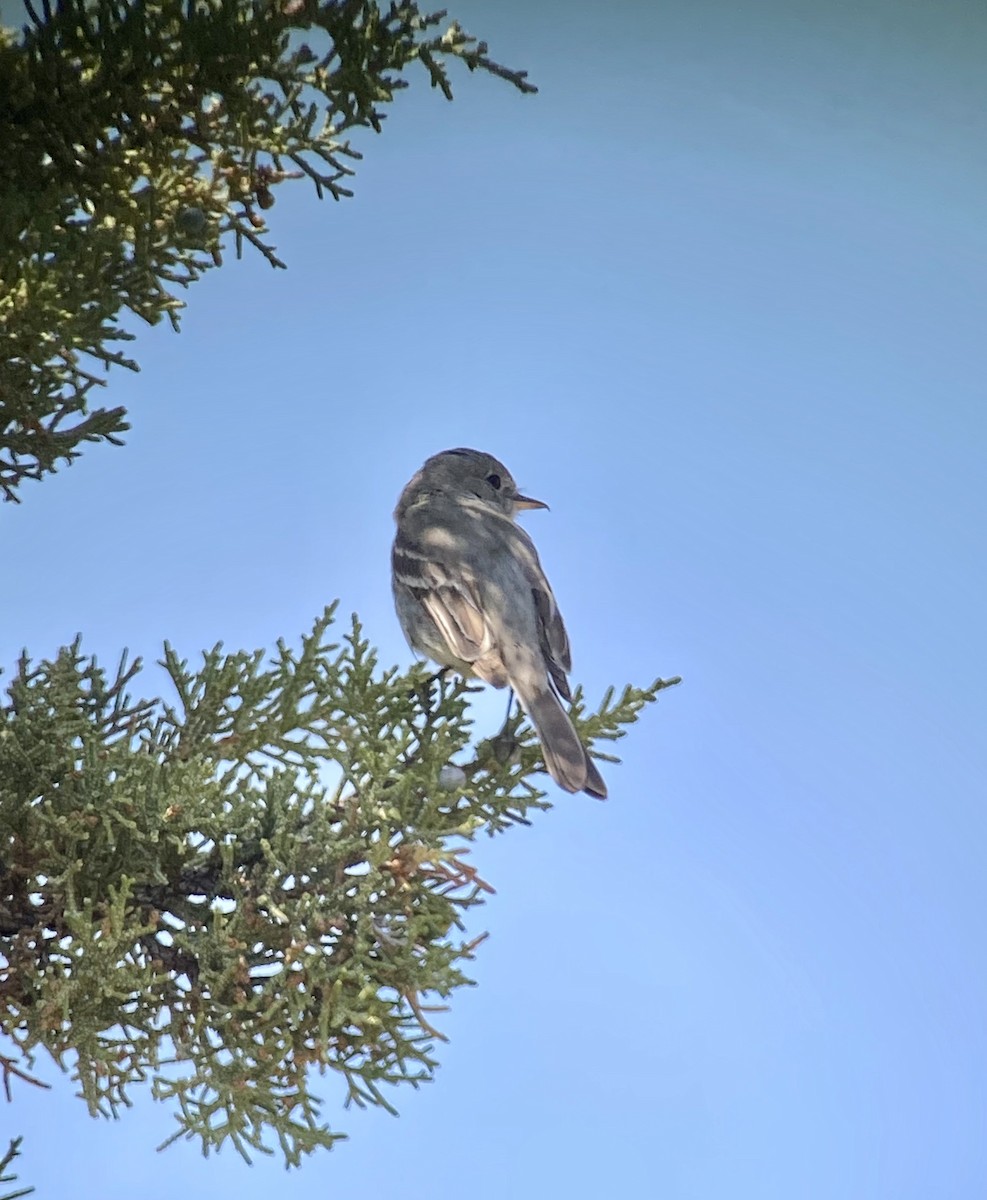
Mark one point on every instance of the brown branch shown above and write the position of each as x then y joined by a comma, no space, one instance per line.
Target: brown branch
9,1068
419,1010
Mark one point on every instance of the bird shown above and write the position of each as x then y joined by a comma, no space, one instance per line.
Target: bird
470,594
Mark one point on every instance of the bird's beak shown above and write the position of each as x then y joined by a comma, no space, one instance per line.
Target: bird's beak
527,502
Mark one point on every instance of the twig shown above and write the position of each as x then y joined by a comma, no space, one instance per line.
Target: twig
9,1068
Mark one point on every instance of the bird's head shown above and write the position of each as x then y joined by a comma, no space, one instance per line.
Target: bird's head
468,473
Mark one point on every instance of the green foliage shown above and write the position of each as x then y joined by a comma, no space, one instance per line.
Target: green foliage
139,139
265,879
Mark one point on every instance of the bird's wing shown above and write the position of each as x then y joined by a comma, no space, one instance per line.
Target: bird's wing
452,605
448,596
551,629
450,564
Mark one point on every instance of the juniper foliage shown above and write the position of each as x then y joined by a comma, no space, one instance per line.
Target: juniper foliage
266,878
138,140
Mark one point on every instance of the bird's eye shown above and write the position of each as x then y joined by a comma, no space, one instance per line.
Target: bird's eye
494,481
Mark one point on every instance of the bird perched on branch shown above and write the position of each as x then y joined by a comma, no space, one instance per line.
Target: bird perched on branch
471,594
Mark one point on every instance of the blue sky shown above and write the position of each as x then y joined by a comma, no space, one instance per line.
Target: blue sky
718,295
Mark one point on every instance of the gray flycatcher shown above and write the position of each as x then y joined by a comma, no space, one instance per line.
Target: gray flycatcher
471,594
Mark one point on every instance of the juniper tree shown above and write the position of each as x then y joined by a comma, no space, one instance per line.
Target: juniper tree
140,141
263,876
261,879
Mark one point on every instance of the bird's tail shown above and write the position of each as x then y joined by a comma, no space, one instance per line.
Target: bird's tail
565,756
